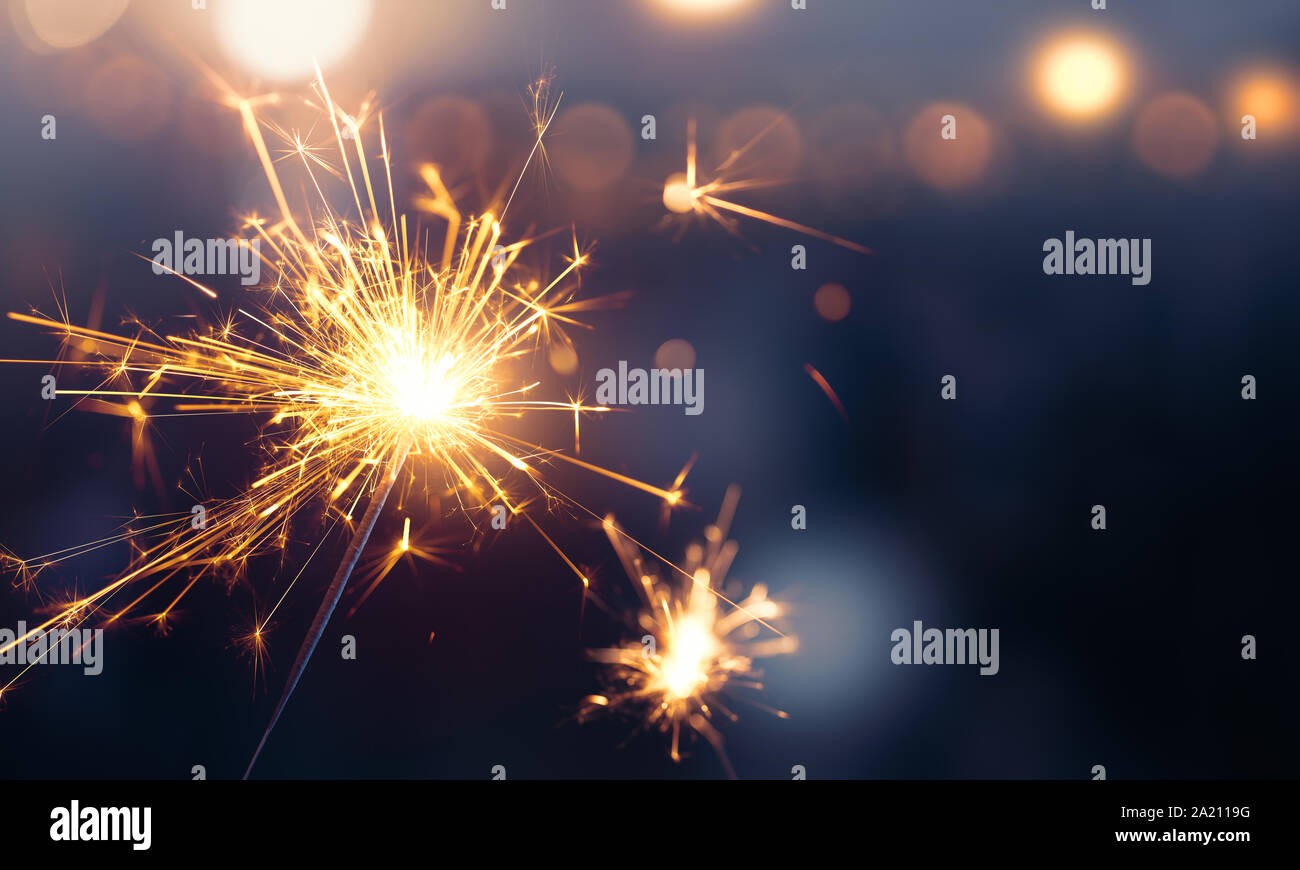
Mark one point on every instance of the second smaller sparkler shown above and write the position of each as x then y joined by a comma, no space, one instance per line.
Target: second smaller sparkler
699,647
687,193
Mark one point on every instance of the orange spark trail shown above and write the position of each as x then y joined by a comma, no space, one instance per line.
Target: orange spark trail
826,388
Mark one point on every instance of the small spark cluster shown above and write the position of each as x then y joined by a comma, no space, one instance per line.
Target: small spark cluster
698,648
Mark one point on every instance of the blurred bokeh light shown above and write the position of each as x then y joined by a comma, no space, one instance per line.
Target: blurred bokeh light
1080,76
702,7
452,132
54,25
591,148
1176,135
675,353
948,164
832,302
563,358
128,97
283,40
1270,95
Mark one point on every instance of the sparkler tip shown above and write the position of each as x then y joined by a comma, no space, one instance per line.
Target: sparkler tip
679,196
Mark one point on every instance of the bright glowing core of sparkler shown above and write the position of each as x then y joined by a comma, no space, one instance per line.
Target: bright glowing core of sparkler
679,196
685,667
692,645
421,391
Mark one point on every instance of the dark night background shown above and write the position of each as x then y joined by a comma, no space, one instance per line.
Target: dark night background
1119,648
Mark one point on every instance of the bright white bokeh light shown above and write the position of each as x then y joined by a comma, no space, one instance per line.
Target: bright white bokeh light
1081,76
284,39
702,6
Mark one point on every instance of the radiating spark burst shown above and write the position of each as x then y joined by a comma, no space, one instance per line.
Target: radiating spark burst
251,644
409,548
699,647
686,193
363,350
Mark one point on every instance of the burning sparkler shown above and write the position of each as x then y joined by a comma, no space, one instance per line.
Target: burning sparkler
699,646
686,193
364,352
